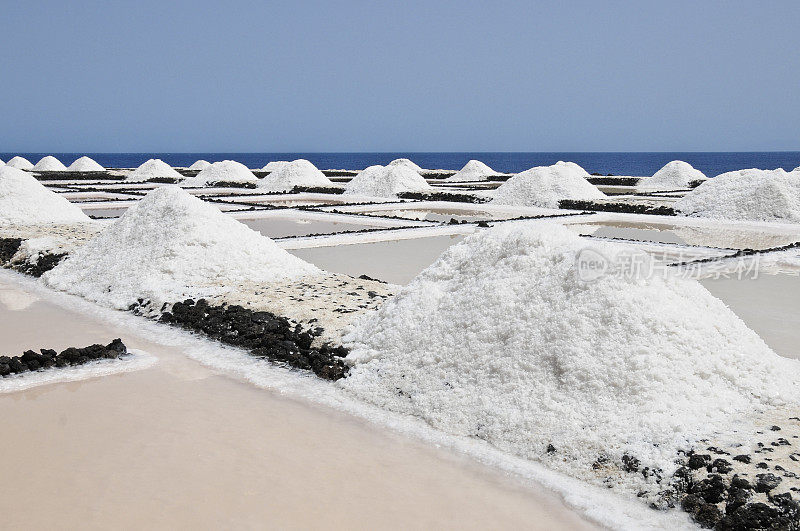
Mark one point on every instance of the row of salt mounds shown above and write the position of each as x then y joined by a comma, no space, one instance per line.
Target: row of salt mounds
674,175
153,169
24,200
474,170
545,186
275,165
225,171
199,165
21,163
500,340
756,195
407,163
386,181
49,163
299,172
170,246
85,164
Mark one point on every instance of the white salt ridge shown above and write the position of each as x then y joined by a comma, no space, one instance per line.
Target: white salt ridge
153,169
24,200
21,163
756,195
500,340
299,172
673,176
474,170
225,171
200,165
407,163
85,164
275,165
545,186
386,181
170,246
49,163
2,163
796,169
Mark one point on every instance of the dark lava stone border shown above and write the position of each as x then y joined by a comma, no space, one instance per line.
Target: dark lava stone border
77,176
625,208
10,246
443,196
30,361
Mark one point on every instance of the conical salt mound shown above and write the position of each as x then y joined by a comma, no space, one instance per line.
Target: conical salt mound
170,246
153,169
20,163
386,181
225,171
275,165
757,195
674,175
24,200
299,172
514,336
2,163
49,163
796,169
200,165
472,171
407,163
545,186
85,164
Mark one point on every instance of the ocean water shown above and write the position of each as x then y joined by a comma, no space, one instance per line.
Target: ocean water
616,163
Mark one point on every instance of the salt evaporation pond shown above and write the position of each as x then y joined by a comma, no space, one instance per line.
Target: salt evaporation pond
281,227
439,214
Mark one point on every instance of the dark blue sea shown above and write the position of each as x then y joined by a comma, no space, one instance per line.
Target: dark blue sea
638,164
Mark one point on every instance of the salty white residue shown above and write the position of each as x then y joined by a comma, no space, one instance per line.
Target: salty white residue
225,171
545,186
24,200
49,163
474,170
386,181
674,175
20,163
85,164
299,172
153,169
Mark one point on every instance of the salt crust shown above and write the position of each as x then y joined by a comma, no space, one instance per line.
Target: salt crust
24,200
386,181
225,171
500,340
153,169
21,163
49,163
757,195
673,176
474,170
545,186
170,246
85,164
299,172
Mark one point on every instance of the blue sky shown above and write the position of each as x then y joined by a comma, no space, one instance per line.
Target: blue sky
399,76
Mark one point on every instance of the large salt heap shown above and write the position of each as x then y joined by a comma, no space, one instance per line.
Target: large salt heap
299,172
170,246
407,163
673,176
20,163
24,200
49,163
386,181
85,164
545,186
504,340
474,170
153,169
200,165
757,195
225,171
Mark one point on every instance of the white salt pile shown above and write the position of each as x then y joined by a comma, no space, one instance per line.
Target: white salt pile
407,163
170,246
49,163
153,169
225,171
796,169
85,164
2,163
473,170
299,172
275,165
200,165
24,200
386,181
545,186
673,176
758,195
500,339
21,163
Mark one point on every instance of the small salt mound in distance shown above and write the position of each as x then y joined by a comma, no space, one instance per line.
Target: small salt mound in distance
200,165
170,246
153,169
407,163
85,164
275,165
299,172
49,163
501,340
24,200
386,181
545,186
225,171
473,170
21,163
673,176
757,195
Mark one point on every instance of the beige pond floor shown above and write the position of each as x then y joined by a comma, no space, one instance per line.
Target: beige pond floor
180,446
